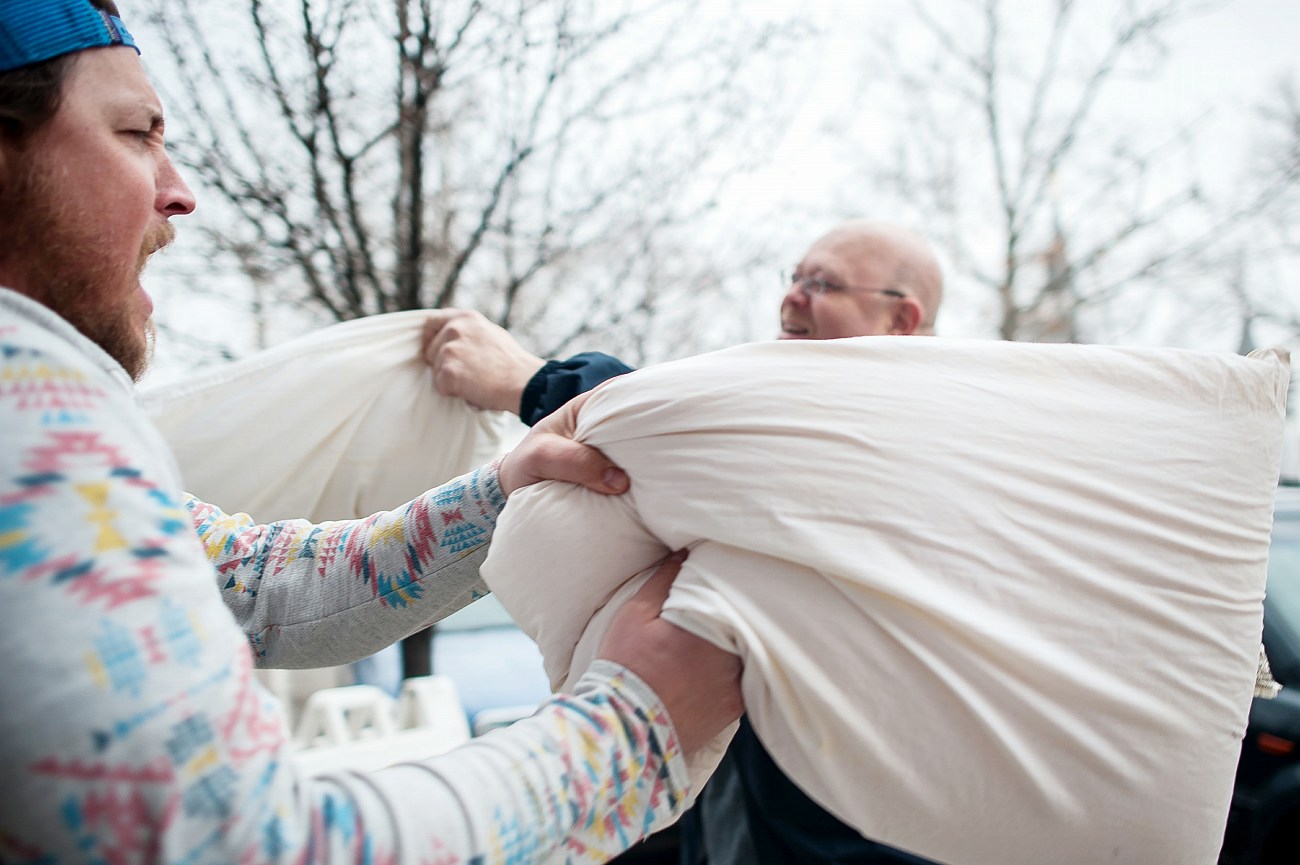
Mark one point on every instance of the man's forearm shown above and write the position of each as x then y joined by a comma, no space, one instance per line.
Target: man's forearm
311,595
587,776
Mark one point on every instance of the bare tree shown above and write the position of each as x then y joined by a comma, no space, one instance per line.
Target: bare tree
541,160
1254,256
1270,298
1009,157
536,159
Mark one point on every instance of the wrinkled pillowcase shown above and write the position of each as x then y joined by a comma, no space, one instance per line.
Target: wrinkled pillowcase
338,424
999,604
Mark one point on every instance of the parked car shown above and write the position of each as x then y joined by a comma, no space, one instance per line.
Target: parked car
1264,821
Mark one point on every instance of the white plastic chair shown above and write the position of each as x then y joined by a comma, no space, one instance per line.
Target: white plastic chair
361,728
338,716
432,702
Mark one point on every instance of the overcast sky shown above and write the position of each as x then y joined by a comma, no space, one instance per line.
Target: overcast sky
1221,64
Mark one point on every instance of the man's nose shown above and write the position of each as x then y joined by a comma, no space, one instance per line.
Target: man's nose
795,294
174,195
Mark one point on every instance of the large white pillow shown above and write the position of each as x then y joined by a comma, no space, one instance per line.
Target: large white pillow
999,604
337,424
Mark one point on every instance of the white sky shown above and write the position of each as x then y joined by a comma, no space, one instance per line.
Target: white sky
1221,64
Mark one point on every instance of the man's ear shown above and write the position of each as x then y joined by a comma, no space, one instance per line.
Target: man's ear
908,315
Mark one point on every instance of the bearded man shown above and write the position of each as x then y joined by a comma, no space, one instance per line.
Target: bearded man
133,614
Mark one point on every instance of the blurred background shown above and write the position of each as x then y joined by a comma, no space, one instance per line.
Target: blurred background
633,176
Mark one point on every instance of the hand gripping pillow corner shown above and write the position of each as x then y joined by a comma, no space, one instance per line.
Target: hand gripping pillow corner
998,603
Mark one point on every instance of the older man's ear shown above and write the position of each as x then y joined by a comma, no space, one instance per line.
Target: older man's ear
908,316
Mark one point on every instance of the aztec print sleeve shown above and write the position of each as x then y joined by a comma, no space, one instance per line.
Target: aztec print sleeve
319,595
134,731
583,779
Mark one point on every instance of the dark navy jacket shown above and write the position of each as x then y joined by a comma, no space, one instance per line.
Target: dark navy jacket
561,380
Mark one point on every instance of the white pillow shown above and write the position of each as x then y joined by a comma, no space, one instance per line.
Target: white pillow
337,424
997,602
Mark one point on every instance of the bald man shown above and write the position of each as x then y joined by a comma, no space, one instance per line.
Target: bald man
863,278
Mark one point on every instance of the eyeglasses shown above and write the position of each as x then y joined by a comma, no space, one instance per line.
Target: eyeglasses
818,285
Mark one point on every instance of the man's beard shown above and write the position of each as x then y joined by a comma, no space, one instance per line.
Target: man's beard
69,270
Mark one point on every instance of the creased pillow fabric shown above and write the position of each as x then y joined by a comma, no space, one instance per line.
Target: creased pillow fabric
997,602
337,424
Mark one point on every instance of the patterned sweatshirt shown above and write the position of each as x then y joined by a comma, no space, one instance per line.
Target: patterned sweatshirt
131,726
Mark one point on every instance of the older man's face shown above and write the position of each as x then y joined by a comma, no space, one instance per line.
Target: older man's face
852,273
87,200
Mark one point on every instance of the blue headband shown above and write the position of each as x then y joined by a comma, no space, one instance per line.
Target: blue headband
36,30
